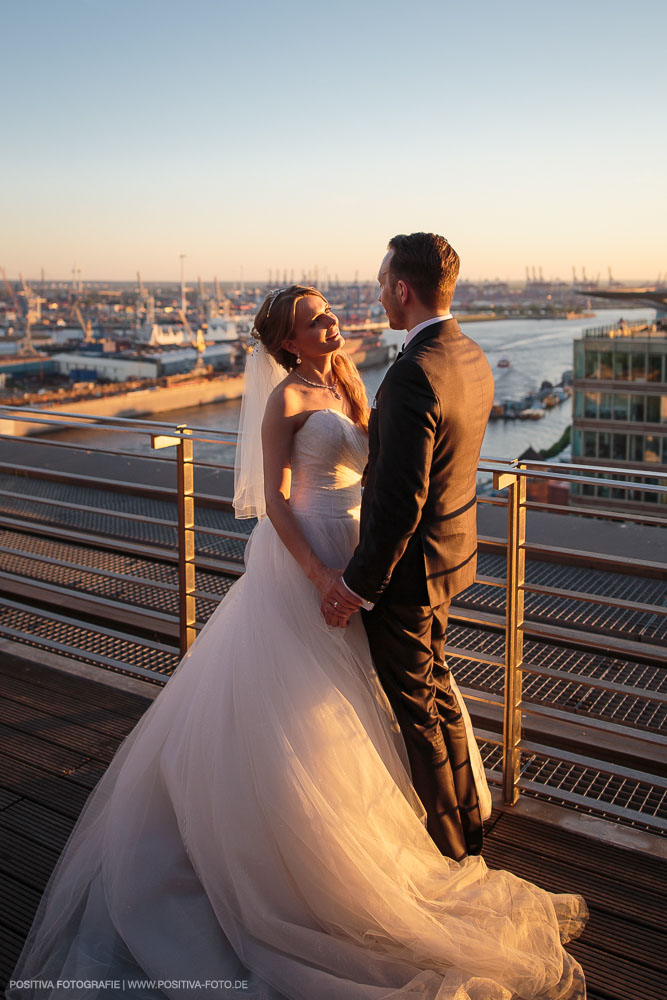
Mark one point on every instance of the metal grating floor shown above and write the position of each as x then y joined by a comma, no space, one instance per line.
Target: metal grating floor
85,641
43,631
579,698
98,522
571,613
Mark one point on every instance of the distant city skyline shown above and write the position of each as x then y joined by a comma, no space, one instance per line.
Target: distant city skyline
263,137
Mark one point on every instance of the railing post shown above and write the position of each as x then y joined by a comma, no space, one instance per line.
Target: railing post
185,531
186,540
516,566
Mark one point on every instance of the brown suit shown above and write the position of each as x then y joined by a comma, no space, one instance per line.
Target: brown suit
418,548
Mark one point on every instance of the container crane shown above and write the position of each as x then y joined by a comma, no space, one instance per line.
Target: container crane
86,325
33,314
198,342
147,303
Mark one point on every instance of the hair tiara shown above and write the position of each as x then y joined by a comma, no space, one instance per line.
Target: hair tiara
274,295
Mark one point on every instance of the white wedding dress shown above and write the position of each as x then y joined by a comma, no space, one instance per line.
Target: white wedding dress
258,828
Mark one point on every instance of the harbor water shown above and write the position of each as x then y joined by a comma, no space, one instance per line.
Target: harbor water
538,350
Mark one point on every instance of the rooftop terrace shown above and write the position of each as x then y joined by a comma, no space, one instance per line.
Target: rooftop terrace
111,561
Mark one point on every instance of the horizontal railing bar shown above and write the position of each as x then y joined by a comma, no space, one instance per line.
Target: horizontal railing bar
606,513
111,633
585,680
79,421
613,728
104,511
79,568
239,536
94,541
609,808
94,419
529,463
551,753
93,481
146,618
211,465
591,598
472,694
520,466
75,421
463,654
73,446
599,641
114,543
485,736
491,581
60,647
618,484
535,629
593,560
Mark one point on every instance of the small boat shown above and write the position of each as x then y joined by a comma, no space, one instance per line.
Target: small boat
532,413
503,363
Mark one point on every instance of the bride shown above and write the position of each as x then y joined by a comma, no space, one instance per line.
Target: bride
257,834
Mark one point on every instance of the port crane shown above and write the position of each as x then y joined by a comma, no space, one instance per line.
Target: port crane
147,304
33,314
86,325
198,342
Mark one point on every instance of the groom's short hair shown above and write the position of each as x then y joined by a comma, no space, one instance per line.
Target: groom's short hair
428,264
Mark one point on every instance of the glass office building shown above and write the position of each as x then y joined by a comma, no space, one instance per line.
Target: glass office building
620,409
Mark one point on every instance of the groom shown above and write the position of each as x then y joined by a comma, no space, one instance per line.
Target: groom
418,544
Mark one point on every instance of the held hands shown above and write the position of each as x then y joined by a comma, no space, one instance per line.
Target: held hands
338,604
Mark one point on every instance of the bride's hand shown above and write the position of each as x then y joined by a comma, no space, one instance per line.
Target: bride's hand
324,579
337,602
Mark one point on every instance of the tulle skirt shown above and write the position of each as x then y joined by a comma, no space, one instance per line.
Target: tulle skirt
257,835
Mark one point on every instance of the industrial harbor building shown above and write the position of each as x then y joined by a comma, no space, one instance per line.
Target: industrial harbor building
620,409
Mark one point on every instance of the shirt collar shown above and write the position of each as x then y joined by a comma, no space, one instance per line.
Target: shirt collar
422,326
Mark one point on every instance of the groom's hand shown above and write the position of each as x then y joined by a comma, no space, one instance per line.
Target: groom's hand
339,604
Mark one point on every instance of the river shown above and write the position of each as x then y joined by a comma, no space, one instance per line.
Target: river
538,350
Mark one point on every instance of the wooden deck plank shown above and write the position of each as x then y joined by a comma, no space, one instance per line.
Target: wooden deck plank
11,944
40,753
553,842
49,790
616,979
642,906
31,867
55,729
67,707
124,704
622,950
616,936
7,799
19,903
38,823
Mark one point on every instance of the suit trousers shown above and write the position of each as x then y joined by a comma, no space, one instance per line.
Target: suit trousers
407,644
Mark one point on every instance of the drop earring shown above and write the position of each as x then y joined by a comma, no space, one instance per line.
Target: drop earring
298,359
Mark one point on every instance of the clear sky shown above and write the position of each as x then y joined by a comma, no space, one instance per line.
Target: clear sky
289,135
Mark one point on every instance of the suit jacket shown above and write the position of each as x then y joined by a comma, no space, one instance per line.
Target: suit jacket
418,541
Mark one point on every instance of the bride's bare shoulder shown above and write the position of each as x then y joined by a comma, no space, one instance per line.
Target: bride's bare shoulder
286,402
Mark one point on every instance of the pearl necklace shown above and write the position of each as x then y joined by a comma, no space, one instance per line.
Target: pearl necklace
321,385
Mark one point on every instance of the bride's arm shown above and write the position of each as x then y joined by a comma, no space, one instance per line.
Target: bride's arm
278,429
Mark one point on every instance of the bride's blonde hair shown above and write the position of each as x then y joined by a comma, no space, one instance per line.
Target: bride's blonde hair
274,324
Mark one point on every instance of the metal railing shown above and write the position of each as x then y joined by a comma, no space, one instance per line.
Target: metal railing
550,641
638,330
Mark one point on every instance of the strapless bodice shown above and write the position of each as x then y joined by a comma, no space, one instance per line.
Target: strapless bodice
328,458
